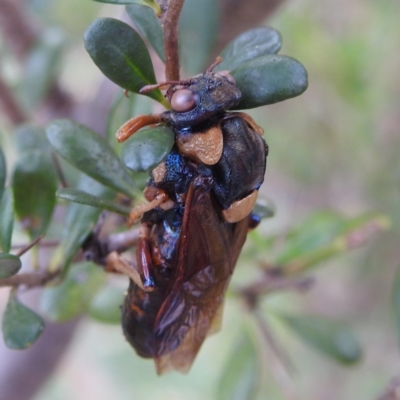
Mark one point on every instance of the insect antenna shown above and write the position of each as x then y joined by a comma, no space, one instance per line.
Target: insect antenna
149,88
217,61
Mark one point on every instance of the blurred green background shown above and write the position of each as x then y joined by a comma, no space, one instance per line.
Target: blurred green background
334,148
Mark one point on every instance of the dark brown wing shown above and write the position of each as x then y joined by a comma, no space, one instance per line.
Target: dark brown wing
207,253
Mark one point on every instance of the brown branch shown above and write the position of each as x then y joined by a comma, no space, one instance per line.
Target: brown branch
29,280
272,281
11,108
123,241
170,27
393,391
46,243
29,246
17,27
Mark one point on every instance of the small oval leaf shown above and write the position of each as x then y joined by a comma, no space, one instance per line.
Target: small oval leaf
34,184
6,220
91,154
79,222
75,294
106,305
3,171
331,338
149,27
249,45
239,379
269,79
81,197
147,148
121,55
9,265
21,326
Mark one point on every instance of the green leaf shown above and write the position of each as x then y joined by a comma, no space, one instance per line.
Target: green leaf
239,379
6,220
81,197
3,171
91,154
34,184
9,265
198,26
148,26
41,66
21,326
121,55
31,137
249,45
269,79
149,3
329,337
75,293
106,305
323,235
147,148
79,222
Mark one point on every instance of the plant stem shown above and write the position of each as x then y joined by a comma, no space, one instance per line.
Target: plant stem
170,27
29,280
29,246
18,28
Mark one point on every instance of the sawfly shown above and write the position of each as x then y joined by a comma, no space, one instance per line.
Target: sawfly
199,210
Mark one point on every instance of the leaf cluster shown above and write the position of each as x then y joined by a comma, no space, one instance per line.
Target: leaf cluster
69,165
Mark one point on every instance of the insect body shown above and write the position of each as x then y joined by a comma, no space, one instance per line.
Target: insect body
195,224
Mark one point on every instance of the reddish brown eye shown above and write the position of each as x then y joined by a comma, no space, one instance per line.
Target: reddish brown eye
183,100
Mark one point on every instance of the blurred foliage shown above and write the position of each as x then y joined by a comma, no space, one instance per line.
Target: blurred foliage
335,148
21,326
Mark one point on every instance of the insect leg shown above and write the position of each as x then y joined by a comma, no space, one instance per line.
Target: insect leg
136,123
143,255
116,263
139,210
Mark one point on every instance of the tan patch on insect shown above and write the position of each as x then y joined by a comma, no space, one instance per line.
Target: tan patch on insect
159,173
240,209
205,147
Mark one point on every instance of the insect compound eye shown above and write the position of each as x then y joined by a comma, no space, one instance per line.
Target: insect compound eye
227,75
184,100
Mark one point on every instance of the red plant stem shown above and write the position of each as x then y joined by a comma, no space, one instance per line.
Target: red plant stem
170,27
19,30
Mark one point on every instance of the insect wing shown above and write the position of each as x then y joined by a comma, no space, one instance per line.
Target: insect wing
207,253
